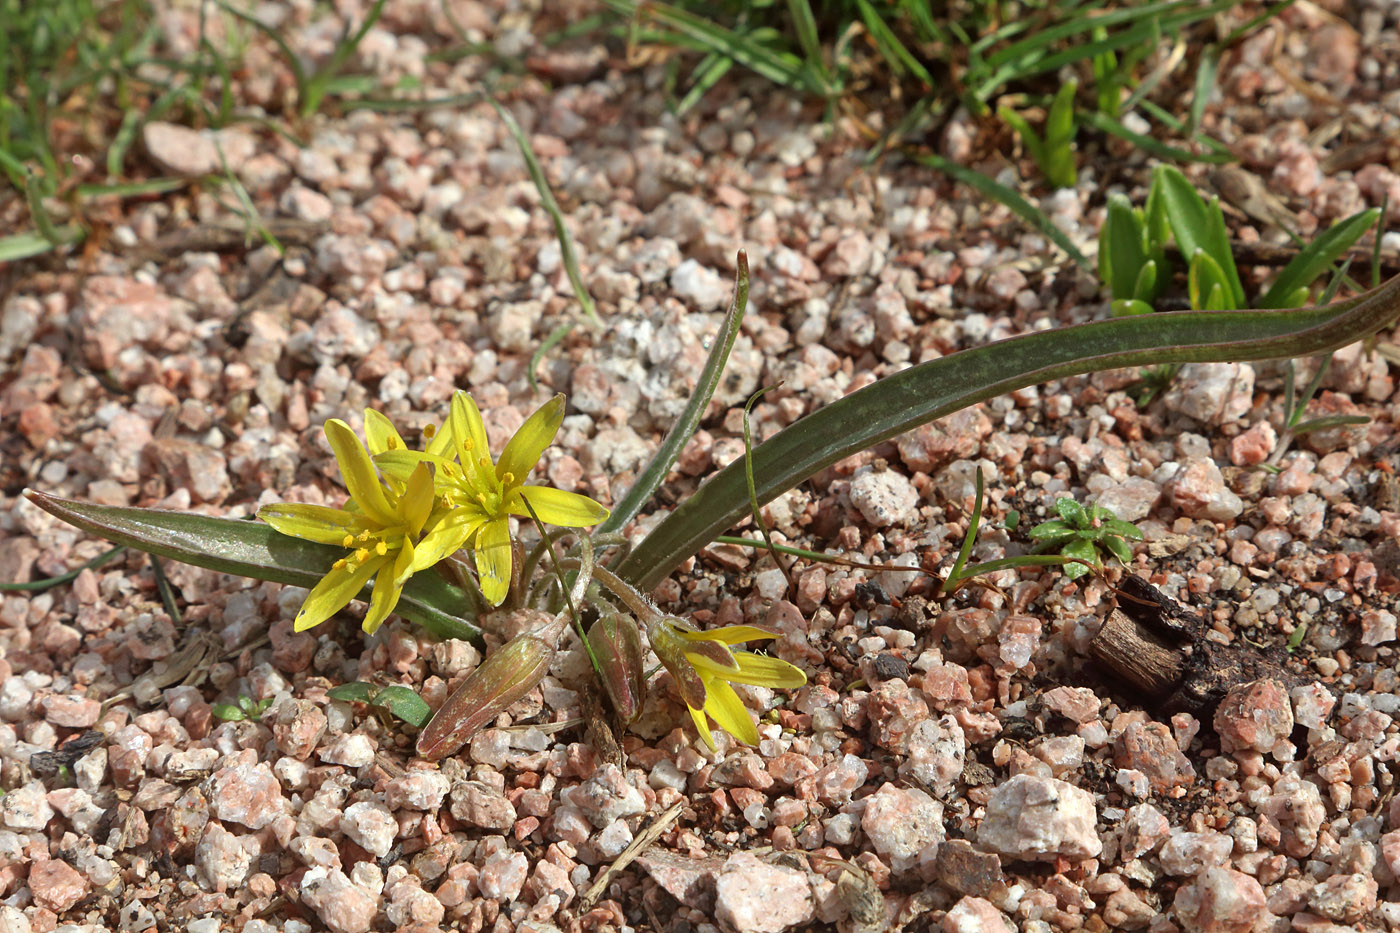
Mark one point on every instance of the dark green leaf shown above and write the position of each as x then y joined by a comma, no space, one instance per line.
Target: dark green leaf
1123,529
1119,548
1053,530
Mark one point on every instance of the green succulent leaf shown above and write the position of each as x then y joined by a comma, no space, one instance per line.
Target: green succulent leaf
1122,529
1130,308
1121,251
1118,548
405,704
228,712
1053,530
1072,512
251,549
357,691
1198,225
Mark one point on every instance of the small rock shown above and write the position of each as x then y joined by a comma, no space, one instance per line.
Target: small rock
247,794
179,150
78,712
58,886
757,897
1198,489
900,822
1345,898
1150,748
975,915
478,805
370,824
1131,500
417,790
700,285
1254,716
964,869
1213,393
606,796
26,808
343,906
1040,818
1077,704
884,497
220,859
503,875
1221,900
1188,853
354,750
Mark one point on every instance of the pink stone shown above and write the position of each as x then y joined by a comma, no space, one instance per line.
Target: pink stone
946,686
1152,749
297,727
503,875
761,897
343,906
975,915
56,885
1253,446
1144,828
72,712
900,823
1254,716
1220,901
1077,704
247,794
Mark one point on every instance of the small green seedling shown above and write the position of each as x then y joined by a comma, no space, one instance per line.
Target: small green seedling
247,708
396,700
1053,153
1079,534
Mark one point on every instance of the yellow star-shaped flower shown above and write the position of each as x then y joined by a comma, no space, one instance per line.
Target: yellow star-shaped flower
704,666
392,532
482,496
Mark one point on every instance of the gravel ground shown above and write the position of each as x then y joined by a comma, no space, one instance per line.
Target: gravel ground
951,766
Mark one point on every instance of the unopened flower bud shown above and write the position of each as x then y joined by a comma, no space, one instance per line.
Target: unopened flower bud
507,674
617,645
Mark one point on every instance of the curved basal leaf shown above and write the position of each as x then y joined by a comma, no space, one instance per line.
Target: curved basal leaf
940,387
250,549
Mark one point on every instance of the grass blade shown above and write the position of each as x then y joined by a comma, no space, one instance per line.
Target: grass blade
566,242
1106,124
250,549
939,387
994,190
1304,268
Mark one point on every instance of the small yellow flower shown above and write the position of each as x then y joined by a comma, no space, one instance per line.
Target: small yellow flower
704,666
391,533
482,496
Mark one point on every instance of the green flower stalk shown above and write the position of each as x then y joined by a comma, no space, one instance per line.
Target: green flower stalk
482,496
391,532
704,666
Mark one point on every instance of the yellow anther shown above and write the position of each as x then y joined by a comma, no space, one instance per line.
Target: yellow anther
430,431
348,542
339,565
485,463
481,497
468,444
361,556
393,443
381,549
508,479
364,535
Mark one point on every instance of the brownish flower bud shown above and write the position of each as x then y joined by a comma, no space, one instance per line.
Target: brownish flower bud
617,645
507,674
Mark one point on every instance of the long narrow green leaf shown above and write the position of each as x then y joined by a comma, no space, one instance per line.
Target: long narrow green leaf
250,549
1304,268
1197,225
1107,124
1018,205
651,478
940,387
1121,251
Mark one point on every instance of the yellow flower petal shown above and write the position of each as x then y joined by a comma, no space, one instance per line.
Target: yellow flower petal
729,712
417,501
358,471
447,536
382,601
381,434
702,727
731,634
400,464
335,590
712,663
523,450
493,560
567,509
312,522
763,671
403,564
469,434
